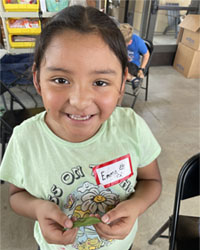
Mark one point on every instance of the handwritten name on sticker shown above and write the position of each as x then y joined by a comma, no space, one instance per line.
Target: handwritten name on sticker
113,172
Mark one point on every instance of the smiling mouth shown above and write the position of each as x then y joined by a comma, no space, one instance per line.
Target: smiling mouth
79,117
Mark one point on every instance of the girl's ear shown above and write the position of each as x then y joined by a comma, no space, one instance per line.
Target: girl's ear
122,88
124,81
35,81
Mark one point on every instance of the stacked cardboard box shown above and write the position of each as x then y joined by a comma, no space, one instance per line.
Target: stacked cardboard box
187,59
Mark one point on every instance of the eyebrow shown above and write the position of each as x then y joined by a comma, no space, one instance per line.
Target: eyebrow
106,71
103,71
59,69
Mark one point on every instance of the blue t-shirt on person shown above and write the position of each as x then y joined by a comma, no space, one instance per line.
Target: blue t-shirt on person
135,49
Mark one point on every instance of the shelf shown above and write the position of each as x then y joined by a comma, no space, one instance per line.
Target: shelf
48,14
7,14
19,14
21,50
26,14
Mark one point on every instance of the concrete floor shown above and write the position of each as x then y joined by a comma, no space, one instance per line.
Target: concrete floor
173,113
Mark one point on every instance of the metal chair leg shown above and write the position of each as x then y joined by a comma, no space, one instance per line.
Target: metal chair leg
147,86
159,232
130,247
3,147
135,94
134,101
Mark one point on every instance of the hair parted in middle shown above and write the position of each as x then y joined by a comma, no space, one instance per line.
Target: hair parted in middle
84,20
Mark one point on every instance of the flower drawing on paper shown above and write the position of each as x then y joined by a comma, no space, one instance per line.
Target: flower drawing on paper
101,201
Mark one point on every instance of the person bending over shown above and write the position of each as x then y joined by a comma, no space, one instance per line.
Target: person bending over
135,49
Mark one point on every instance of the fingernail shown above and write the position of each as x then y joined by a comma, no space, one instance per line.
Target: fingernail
105,219
68,224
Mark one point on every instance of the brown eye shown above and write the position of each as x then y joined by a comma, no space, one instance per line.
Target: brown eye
61,81
100,83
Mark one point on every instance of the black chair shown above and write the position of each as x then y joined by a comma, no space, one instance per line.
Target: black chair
135,92
10,116
150,48
183,230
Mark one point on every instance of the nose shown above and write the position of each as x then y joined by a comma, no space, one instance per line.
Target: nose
80,96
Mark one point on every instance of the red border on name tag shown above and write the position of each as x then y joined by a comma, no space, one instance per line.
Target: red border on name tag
111,162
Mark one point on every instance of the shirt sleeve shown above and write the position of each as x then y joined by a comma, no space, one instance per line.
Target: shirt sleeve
149,148
10,170
142,46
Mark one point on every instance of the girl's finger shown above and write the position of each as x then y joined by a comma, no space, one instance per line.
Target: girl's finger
62,219
113,215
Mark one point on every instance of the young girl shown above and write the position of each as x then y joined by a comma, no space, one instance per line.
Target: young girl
83,156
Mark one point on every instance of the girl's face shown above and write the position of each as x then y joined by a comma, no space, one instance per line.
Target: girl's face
80,84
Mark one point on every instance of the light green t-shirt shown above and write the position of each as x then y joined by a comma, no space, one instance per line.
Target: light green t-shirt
74,176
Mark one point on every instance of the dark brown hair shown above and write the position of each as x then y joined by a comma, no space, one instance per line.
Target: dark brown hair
83,20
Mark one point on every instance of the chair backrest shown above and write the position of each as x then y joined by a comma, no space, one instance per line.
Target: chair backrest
190,172
187,187
13,98
12,116
16,69
150,48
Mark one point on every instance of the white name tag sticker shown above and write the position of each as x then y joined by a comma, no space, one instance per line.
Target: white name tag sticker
113,172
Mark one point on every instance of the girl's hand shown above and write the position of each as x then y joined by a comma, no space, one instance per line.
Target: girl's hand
121,219
118,222
52,221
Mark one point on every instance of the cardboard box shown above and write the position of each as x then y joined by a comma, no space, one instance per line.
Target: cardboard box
187,61
180,35
191,31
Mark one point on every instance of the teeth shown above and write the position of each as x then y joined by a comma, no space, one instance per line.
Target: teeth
79,118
